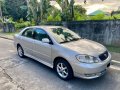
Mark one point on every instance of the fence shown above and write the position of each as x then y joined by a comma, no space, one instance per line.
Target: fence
105,31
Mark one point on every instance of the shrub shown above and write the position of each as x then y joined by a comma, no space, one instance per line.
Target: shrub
32,23
57,18
21,20
50,18
117,16
97,17
1,20
22,25
10,20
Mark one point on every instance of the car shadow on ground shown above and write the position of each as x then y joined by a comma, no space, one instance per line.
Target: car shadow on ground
106,80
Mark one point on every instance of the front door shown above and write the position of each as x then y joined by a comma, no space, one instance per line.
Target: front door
42,50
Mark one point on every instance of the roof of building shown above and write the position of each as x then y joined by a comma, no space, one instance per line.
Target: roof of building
97,12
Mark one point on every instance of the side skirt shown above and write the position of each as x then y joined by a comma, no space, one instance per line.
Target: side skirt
41,61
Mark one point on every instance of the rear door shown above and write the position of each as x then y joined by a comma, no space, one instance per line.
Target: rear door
42,50
27,41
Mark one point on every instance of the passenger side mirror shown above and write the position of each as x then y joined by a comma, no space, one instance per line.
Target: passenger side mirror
45,40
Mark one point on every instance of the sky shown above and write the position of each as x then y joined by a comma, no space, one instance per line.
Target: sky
93,5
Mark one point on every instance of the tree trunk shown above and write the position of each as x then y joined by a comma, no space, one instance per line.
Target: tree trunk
0,11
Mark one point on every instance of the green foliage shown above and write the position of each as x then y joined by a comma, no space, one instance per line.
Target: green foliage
117,16
1,20
11,20
79,9
19,25
33,9
79,17
113,17
45,8
16,9
54,14
32,22
50,18
56,18
38,10
79,13
54,11
71,12
108,17
67,13
97,17
22,24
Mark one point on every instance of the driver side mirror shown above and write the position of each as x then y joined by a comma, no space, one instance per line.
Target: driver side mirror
45,40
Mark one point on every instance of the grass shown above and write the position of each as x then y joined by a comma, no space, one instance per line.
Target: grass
114,48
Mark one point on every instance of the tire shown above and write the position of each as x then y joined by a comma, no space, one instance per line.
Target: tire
65,73
20,51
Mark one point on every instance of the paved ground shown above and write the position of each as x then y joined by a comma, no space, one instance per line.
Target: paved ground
27,74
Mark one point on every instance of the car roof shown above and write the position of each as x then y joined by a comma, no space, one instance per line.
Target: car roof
46,28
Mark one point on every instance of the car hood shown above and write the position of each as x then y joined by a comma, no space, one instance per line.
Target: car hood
84,46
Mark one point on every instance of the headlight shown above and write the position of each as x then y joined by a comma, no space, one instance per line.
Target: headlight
87,59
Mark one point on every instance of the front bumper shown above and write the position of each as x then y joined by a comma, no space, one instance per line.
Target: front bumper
91,76
90,71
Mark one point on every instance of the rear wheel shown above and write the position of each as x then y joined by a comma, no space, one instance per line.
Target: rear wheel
20,51
63,69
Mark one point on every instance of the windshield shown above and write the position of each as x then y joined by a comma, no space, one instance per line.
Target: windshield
63,35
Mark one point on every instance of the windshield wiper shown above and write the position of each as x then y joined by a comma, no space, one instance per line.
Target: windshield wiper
64,41
75,39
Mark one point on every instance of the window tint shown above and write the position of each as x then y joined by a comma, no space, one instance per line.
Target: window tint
28,33
39,34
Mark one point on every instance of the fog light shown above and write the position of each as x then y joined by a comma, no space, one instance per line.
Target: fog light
90,75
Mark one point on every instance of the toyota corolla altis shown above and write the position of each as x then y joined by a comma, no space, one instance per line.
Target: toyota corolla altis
64,51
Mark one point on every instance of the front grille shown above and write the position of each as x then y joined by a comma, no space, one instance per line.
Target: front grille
103,56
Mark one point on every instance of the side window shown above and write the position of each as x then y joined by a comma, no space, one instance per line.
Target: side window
28,33
39,34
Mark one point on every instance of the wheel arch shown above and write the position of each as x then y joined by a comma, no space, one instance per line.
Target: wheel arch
61,58
18,45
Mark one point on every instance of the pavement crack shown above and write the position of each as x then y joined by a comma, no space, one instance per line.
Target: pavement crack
11,79
8,76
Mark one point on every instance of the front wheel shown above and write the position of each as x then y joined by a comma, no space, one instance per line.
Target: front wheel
20,51
63,70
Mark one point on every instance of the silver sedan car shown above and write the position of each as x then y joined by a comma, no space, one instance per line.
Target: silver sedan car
64,51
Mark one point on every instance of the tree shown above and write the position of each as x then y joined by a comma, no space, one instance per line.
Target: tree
33,10
1,2
67,13
54,14
45,8
79,9
16,9
79,13
70,11
38,9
